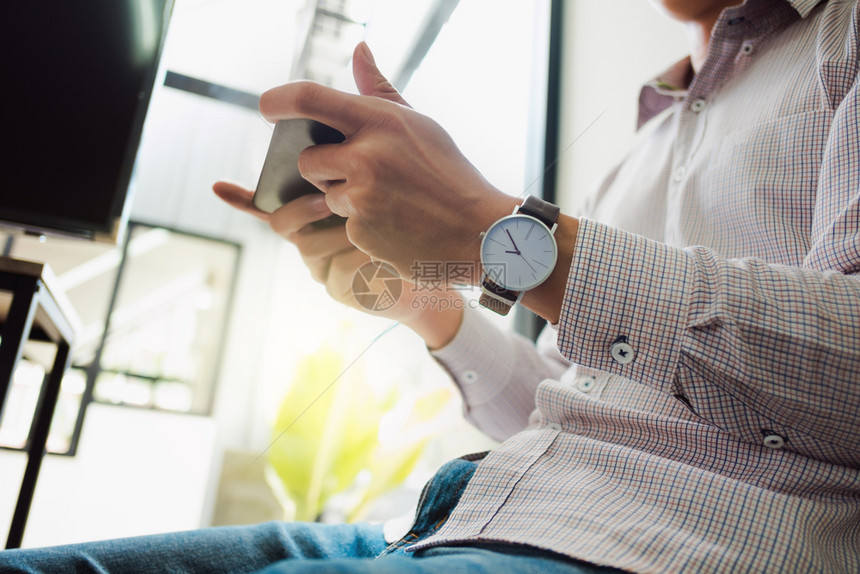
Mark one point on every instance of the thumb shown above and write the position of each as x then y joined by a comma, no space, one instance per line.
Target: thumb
369,80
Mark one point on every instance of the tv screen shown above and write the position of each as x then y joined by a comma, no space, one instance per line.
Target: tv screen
77,79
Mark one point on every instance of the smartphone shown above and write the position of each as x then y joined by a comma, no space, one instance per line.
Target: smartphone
280,181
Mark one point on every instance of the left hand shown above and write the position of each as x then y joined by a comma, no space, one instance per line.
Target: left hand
408,192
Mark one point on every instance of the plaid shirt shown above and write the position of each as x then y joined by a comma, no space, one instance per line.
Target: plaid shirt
697,407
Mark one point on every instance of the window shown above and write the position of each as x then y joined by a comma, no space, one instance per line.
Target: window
168,322
153,315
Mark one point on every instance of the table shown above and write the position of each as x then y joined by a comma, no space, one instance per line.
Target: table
32,307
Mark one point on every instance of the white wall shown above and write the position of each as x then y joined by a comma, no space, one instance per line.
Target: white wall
610,49
136,472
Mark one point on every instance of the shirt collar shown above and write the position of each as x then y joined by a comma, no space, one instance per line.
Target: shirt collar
671,85
804,7
659,93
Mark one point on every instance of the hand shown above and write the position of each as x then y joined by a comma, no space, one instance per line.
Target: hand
409,194
327,253
330,256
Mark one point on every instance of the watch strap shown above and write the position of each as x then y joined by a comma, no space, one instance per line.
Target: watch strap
544,211
497,298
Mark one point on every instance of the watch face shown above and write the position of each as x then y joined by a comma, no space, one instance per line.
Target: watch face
518,252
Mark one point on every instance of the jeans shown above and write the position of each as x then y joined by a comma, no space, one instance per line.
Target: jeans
278,547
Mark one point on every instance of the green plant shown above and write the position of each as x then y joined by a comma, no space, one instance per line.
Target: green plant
327,432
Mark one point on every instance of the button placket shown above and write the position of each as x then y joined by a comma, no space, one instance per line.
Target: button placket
683,150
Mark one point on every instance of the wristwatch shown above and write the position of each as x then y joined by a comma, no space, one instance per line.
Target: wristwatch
518,253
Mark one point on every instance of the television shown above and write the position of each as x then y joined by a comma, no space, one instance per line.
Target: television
77,80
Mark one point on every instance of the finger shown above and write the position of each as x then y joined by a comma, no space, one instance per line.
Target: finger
319,268
322,243
322,165
369,80
298,214
239,198
345,112
342,272
318,251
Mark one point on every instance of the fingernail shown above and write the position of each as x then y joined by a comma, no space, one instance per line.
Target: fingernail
367,53
318,204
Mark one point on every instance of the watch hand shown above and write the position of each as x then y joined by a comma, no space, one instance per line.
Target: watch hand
513,243
527,262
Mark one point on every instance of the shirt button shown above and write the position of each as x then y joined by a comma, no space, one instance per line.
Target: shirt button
679,174
747,48
697,105
585,385
554,426
469,377
621,351
773,441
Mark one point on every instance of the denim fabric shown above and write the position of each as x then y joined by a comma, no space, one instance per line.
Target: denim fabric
294,548
438,499
222,550
503,559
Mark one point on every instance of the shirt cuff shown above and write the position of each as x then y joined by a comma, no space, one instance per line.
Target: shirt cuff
625,307
478,358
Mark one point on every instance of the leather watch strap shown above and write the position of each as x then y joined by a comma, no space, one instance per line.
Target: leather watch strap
546,212
497,298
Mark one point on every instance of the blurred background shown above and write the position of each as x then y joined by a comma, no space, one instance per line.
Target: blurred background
212,381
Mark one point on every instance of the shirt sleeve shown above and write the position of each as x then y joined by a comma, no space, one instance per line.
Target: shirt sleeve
497,372
756,349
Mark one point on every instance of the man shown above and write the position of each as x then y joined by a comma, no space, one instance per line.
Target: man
694,405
